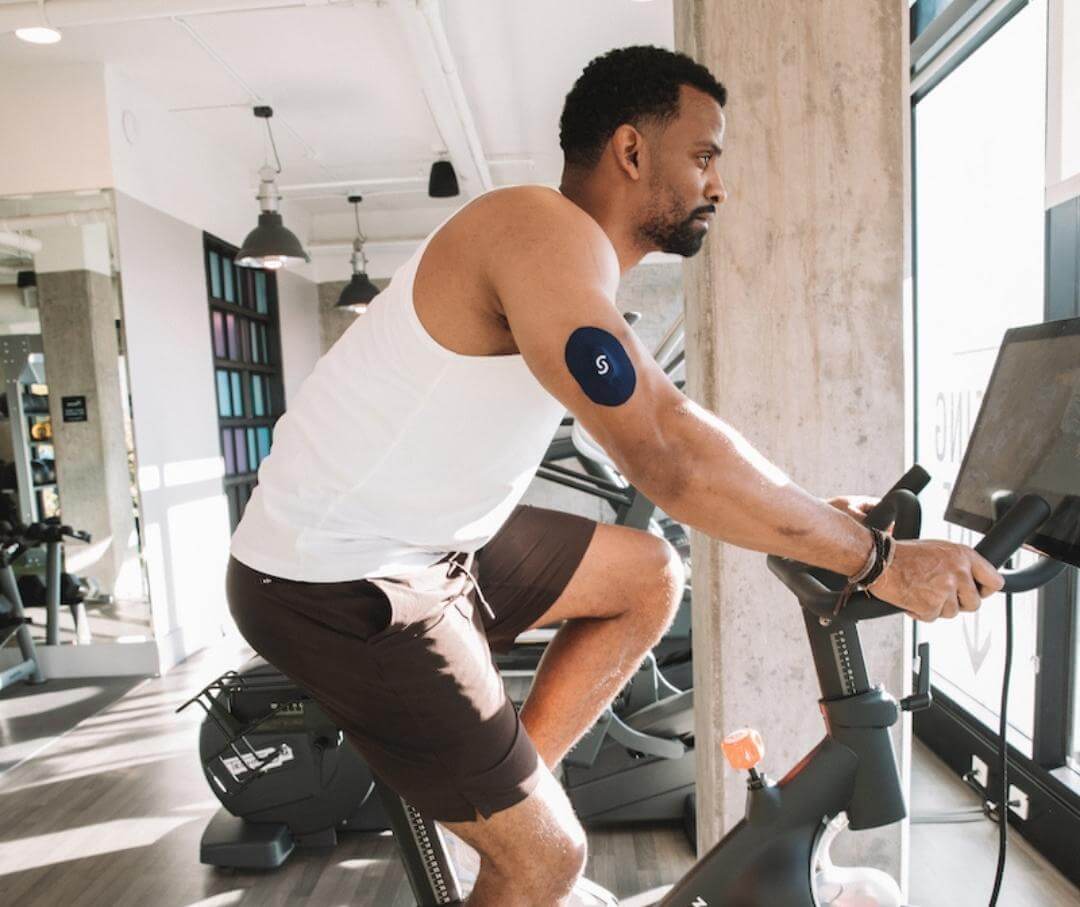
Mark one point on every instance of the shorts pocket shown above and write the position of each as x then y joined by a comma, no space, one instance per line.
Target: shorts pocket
411,611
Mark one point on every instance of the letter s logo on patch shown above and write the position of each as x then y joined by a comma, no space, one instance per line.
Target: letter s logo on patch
600,365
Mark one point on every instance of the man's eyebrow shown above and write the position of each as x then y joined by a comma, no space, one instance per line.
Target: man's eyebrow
712,146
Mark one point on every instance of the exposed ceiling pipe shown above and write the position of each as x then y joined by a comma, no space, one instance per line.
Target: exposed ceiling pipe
12,240
421,22
372,247
41,221
365,185
66,13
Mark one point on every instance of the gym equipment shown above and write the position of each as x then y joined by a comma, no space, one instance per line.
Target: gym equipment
282,770
59,587
779,854
13,619
637,762
15,541
22,364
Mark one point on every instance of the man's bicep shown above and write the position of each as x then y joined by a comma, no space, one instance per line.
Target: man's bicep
586,355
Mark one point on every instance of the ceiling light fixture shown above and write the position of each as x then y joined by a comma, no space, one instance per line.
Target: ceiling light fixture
442,182
271,244
38,34
41,33
359,291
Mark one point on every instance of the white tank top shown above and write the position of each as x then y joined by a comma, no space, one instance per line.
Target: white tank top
394,451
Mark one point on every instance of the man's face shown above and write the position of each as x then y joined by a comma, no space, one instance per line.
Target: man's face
684,186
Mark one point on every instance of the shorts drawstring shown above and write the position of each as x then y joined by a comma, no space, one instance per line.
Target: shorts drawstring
476,586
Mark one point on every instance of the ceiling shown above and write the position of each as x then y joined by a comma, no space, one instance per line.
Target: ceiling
347,88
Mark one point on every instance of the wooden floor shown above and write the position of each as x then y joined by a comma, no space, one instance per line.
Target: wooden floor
111,814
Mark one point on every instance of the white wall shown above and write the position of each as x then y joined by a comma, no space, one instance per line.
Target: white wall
53,134
167,331
298,308
185,519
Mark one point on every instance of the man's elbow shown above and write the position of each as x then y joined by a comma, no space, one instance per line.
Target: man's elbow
660,468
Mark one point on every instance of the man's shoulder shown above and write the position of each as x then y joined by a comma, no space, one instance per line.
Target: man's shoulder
520,222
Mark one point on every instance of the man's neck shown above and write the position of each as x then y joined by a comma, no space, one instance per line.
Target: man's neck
612,219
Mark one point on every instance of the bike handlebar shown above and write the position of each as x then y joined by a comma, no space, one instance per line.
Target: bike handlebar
819,590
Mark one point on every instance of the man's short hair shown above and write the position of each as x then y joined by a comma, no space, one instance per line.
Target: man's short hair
627,85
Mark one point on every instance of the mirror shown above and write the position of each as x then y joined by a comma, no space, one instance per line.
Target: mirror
66,442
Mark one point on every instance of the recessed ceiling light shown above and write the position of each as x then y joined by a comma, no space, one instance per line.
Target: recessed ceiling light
39,34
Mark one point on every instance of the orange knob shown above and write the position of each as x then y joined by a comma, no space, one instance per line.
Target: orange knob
743,748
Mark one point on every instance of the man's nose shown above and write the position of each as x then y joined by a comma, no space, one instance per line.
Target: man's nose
717,192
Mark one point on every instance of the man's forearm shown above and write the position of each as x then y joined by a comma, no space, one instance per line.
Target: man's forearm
728,490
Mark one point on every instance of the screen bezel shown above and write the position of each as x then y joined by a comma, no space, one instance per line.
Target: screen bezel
981,523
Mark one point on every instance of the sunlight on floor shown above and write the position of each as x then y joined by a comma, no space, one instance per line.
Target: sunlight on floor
32,851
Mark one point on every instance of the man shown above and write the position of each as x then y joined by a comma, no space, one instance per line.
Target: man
397,469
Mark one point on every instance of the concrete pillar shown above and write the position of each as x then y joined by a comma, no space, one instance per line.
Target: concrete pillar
78,311
794,336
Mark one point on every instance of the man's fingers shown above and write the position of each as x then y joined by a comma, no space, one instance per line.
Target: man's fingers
929,615
951,608
968,597
989,580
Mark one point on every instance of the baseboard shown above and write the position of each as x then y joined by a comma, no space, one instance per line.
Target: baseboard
104,659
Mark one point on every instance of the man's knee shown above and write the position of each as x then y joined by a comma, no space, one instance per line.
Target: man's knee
551,865
664,577
537,844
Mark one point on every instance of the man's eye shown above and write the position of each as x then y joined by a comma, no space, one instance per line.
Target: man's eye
706,158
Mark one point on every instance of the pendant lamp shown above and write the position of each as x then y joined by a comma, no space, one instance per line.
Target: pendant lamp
442,180
359,291
271,244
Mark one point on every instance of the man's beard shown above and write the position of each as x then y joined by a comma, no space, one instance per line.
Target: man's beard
670,232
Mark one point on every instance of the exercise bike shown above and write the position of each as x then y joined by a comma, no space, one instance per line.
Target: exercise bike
779,853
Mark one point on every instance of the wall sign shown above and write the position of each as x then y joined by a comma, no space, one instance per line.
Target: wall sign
74,408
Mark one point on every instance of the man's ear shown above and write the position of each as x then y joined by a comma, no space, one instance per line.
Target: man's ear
628,147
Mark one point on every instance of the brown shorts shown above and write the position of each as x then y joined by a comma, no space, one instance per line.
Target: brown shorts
404,665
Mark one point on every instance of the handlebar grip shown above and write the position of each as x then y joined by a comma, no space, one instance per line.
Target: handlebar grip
1008,533
914,480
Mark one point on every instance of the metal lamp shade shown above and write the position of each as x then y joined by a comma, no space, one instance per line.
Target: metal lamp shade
271,245
358,293
442,181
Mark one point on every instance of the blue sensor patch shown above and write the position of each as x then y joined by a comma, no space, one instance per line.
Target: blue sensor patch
601,366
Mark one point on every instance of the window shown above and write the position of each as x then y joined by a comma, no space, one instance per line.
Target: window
996,244
979,242
247,366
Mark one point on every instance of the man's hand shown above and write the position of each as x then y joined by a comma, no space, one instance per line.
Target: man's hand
856,506
932,579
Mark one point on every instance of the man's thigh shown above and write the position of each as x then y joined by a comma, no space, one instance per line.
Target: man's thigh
527,566
545,566
419,698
